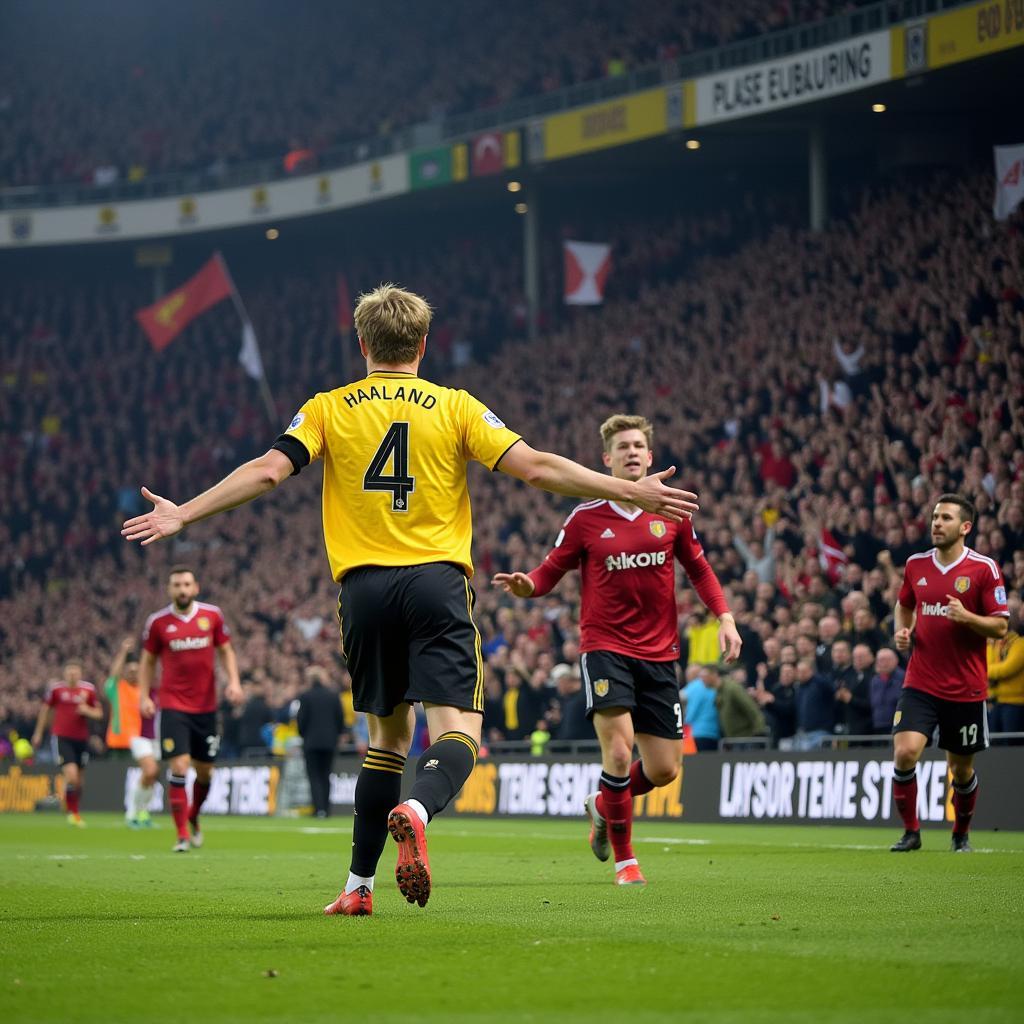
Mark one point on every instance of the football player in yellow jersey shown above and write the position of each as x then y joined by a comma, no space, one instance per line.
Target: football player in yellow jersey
398,531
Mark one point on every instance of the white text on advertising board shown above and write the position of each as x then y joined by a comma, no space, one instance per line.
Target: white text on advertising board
824,790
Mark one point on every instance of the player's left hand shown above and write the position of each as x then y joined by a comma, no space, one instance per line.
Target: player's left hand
729,641
955,611
234,693
165,520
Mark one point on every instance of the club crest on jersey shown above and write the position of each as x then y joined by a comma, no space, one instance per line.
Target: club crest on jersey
657,528
168,744
601,687
897,717
962,584
203,622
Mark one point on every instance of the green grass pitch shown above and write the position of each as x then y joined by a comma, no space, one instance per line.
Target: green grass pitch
737,923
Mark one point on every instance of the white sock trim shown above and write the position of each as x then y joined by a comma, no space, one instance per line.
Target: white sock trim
620,864
354,881
421,811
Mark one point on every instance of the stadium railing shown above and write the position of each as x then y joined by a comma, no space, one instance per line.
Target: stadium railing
871,18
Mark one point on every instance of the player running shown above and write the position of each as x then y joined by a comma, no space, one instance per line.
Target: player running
185,636
122,692
397,526
952,600
71,704
629,635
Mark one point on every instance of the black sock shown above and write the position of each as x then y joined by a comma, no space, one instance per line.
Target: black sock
378,789
442,770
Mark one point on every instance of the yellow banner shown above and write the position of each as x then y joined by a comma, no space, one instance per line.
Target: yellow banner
975,31
606,124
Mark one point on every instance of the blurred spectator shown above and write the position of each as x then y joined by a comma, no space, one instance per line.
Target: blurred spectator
815,707
1006,676
320,721
886,685
853,696
738,713
701,710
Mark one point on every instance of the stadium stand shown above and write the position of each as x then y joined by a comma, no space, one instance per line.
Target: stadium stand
817,390
258,81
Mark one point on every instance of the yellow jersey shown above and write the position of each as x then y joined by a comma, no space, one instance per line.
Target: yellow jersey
395,450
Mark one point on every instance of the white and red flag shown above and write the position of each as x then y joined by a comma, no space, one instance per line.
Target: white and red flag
1009,180
586,272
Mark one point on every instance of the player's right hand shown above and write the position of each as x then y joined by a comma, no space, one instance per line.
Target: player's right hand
902,638
165,520
517,583
147,708
127,644
653,496
37,740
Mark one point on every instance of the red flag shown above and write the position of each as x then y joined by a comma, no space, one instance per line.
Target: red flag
166,319
344,306
488,154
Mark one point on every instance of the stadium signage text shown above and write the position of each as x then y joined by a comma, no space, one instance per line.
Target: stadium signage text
975,31
825,790
816,74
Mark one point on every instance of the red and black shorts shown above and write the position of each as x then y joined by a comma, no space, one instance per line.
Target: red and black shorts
959,726
649,689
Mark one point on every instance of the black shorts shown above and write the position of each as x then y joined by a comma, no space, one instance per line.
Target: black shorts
408,634
959,726
72,751
184,733
650,689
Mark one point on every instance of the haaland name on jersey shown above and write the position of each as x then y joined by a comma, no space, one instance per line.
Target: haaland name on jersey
381,393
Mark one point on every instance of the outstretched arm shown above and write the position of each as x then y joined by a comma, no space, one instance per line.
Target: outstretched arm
551,472
241,485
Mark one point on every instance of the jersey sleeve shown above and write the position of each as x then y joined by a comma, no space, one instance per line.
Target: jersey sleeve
993,594
303,441
562,558
485,438
907,597
151,638
698,569
51,695
92,698
221,633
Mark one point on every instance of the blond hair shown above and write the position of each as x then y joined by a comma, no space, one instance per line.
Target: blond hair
392,323
619,422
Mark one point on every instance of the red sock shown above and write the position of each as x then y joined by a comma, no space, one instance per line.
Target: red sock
179,804
199,791
964,799
904,795
72,794
638,782
615,805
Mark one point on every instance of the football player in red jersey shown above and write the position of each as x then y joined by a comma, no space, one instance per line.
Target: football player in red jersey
951,602
629,635
186,635
72,703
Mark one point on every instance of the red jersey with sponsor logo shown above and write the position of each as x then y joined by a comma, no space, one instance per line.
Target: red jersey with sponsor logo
626,563
948,660
186,647
65,701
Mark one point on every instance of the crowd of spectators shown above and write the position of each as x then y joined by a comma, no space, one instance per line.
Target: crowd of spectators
818,391
86,91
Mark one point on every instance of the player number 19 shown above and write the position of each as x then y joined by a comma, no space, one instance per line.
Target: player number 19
971,731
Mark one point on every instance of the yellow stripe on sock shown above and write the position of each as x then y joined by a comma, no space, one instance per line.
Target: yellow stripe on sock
460,737
382,768
386,755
